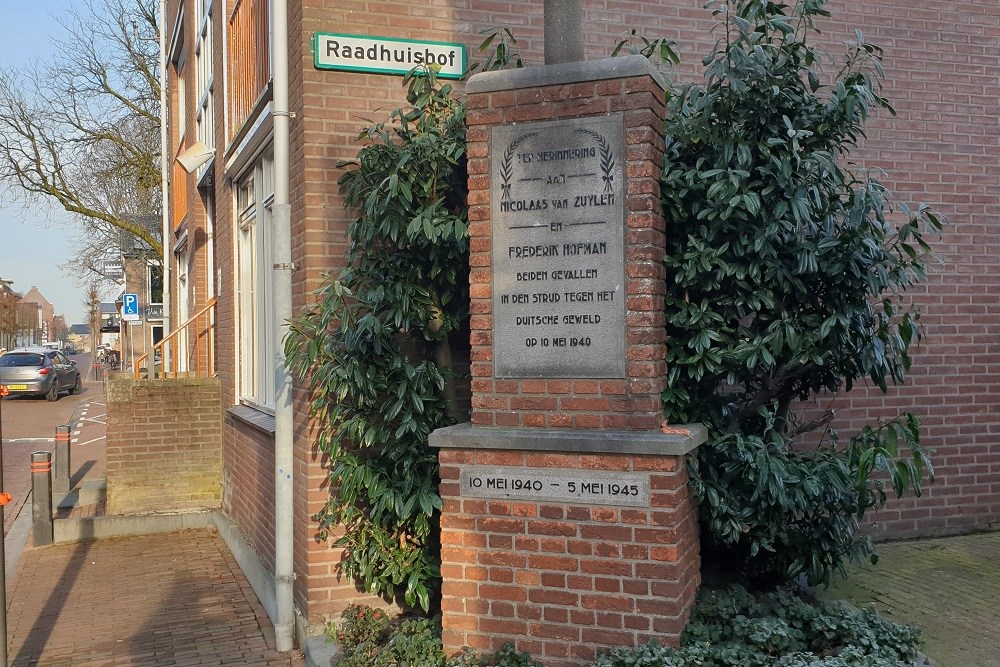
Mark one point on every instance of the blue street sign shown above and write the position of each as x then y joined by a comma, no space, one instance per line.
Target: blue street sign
130,305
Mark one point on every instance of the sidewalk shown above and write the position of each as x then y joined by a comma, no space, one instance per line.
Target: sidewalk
949,587
159,599
164,599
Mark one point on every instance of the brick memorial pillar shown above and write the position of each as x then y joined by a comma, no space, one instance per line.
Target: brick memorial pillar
568,526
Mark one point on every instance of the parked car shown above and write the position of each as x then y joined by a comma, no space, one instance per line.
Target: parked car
39,372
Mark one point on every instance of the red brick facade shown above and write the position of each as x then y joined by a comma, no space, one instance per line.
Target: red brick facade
164,445
943,148
564,581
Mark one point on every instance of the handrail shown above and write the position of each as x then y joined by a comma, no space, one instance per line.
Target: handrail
171,339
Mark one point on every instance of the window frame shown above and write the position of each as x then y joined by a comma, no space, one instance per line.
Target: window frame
204,53
253,197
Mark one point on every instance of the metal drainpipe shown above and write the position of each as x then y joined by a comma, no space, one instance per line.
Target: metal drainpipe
164,182
284,575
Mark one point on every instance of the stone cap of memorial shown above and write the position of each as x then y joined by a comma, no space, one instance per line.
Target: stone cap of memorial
554,75
679,441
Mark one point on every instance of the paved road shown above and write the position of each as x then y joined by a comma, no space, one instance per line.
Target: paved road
29,425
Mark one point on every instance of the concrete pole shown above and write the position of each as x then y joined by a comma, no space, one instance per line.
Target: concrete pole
41,497
563,36
60,483
284,527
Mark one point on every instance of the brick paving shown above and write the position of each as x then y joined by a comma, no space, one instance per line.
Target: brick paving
950,587
162,599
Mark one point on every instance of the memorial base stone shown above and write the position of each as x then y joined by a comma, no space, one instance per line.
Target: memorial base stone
562,549
568,526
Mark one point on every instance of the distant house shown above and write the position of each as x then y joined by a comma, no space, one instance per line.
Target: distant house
46,314
79,337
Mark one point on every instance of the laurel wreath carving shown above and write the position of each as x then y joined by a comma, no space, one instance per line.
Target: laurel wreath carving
506,169
607,158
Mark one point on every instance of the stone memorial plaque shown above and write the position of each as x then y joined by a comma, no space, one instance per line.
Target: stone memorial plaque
558,224
556,486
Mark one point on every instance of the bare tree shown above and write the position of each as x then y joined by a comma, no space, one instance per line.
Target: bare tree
9,306
84,130
93,305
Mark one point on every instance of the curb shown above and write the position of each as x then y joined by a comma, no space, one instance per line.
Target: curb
102,527
17,539
319,652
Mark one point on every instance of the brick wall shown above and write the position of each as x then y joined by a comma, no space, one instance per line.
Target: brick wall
943,148
563,581
164,445
248,484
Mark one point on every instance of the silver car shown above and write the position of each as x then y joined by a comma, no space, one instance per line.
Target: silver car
39,372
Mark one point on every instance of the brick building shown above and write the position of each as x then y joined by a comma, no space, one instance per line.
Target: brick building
942,149
46,315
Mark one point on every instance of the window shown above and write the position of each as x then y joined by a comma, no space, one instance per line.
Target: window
182,260
254,198
154,281
204,79
179,111
14,360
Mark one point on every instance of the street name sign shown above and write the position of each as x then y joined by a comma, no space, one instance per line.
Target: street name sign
113,269
385,55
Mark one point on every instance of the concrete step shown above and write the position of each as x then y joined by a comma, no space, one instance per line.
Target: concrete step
90,492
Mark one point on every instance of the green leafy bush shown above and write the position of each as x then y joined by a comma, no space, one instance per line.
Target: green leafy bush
787,267
727,627
375,349
735,627
508,656
370,638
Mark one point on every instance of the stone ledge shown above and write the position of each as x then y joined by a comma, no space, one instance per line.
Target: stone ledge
254,418
121,389
554,75
655,443
103,527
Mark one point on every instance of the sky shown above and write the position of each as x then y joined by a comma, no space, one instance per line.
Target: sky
37,243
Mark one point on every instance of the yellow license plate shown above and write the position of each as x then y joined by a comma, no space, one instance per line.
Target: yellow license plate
15,387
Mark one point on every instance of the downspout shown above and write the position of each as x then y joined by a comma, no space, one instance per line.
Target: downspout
284,529
164,182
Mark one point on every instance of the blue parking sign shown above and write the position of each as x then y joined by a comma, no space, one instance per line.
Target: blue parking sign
130,305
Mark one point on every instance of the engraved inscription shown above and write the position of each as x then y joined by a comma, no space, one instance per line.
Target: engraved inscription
558,220
553,485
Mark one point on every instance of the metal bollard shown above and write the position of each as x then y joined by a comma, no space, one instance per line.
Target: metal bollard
60,476
41,497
